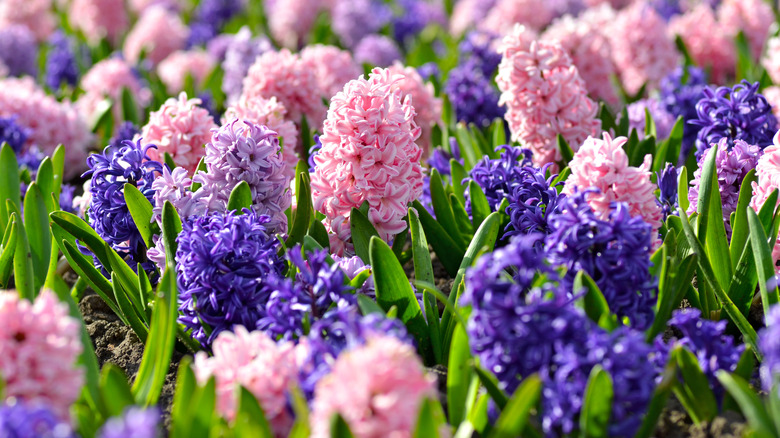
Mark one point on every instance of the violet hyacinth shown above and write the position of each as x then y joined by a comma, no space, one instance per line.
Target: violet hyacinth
210,17
614,251
61,66
533,200
224,266
354,20
664,121
377,50
126,131
239,56
108,212
12,133
679,92
498,177
19,420
472,95
769,343
739,112
135,422
479,46
668,184
415,16
18,50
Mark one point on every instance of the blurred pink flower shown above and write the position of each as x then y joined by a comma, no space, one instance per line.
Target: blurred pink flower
386,387
37,15
752,17
772,95
617,4
603,164
138,6
771,59
252,360
544,95
99,19
641,49
290,21
40,344
158,32
174,69
369,154
768,173
105,80
181,128
50,122
705,40
291,80
505,14
426,105
466,13
332,66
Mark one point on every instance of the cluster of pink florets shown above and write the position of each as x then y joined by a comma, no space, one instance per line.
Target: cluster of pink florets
332,67
752,17
603,164
768,173
290,21
427,106
35,14
544,95
180,128
705,40
105,80
40,343
99,19
174,69
506,14
368,154
158,32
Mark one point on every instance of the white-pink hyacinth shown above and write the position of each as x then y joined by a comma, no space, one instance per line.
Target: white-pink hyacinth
105,80
37,15
768,173
506,14
333,67
752,17
426,105
173,70
708,44
99,19
158,32
291,21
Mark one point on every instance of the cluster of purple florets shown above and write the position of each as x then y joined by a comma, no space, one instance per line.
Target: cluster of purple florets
769,343
134,422
499,177
668,185
61,65
210,17
679,92
19,420
12,133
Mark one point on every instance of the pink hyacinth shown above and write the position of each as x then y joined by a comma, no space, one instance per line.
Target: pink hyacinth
544,95
618,4
159,32
386,387
256,362
174,69
771,59
271,113
641,49
706,41
50,122
139,6
768,173
466,13
99,19
369,154
332,66
291,21
40,344
589,49
426,105
288,78
37,15
506,14
105,80
752,17
181,128
772,95
603,164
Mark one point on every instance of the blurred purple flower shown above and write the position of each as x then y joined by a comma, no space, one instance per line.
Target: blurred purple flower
376,51
61,66
135,422
18,50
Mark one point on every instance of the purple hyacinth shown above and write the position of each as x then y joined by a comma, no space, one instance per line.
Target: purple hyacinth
66,198
313,151
18,50
354,20
667,8
225,264
614,252
532,201
19,420
135,422
207,102
731,166
61,66
12,133
210,17
664,121
769,343
126,131
239,56
429,71
668,184
108,212
376,50
737,113
478,46
414,17
498,177
679,92
706,339
473,95
318,289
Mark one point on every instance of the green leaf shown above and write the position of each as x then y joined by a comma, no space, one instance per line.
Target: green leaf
318,232
467,150
444,214
129,107
597,404
339,427
171,227
201,168
81,230
186,388
739,227
458,175
160,342
461,217
141,211
393,289
491,384
9,183
45,182
513,419
430,420
362,232
480,208
593,302
423,271
752,407
240,197
682,189
709,181
765,267
672,290
566,151
23,264
498,132
459,375
712,229
303,212
694,390
115,393
168,160
7,251
128,311
58,169
36,224
250,421
448,252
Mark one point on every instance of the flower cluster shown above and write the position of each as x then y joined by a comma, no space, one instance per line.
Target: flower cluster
480,48
472,95
499,177
210,17
134,422
174,69
61,66
427,106
706,41
99,19
544,95
290,21
415,15
532,201
157,33
36,15
662,119
679,92
752,17
240,53
12,133
355,20
668,185
18,51
505,14
332,66
768,173
106,79
25,421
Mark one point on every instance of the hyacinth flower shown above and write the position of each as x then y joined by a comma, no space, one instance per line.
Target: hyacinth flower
668,185
23,420
134,422
239,56
157,33
499,177
210,17
13,134
18,51
61,66
291,21
736,113
637,117
353,21
176,67
333,67
372,132
679,92
478,47
377,50
768,174
472,95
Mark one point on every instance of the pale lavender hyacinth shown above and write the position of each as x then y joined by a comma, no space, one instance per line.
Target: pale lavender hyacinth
353,20
239,56
664,121
135,422
377,51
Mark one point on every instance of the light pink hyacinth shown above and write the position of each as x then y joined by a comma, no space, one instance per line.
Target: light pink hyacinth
426,105
40,344
772,95
641,49
589,49
771,59
387,385
181,128
99,19
333,67
173,70
544,95
291,21
288,78
505,14
105,80
752,17
50,122
256,362
138,6
368,154
706,41
768,173
603,164
466,13
159,32
37,15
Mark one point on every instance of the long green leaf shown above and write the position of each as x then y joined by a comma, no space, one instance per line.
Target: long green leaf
491,384
81,230
448,252
86,270
36,224
750,403
128,311
23,264
250,421
682,189
597,404
9,183
423,270
694,390
362,232
240,197
141,211
710,227
513,419
480,208
339,427
762,255
7,251
45,181
739,229
443,209
430,420
171,227
459,375
58,168
114,391
303,211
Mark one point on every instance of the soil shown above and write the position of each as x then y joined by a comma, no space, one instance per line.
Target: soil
675,423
